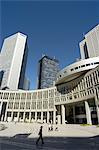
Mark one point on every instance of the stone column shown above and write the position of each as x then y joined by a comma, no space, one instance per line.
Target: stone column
88,113
48,117
1,110
59,114
63,113
18,116
96,102
74,114
59,119
1,107
30,116
5,119
42,116
54,117
35,116
24,116
97,109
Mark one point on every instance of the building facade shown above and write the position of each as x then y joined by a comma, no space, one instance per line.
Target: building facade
13,58
73,99
60,104
48,68
89,47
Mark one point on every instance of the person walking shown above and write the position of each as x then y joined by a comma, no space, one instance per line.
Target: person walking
40,136
49,127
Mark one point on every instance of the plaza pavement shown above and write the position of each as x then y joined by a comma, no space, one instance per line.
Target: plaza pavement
22,136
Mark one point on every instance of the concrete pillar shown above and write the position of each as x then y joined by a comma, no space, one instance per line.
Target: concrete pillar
54,117
58,114
59,119
29,116
48,117
88,113
35,116
63,113
74,114
5,118
41,116
23,116
97,110
1,110
1,107
96,102
2,113
18,117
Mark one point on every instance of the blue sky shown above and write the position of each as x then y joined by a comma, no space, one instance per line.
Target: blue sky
54,28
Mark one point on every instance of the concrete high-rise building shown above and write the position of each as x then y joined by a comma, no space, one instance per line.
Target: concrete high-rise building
13,59
89,47
48,68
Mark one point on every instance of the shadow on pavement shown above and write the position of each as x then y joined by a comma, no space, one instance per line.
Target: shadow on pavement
21,135
2,127
23,142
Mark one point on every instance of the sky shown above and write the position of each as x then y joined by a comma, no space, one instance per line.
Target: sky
54,28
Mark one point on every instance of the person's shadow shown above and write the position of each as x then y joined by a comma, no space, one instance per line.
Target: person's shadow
21,135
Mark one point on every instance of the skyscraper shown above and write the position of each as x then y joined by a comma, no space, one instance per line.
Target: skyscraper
13,59
89,47
48,68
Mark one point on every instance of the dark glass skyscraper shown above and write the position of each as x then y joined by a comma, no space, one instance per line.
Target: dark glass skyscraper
48,68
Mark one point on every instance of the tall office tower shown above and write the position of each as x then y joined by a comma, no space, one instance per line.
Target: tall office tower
13,60
48,68
89,47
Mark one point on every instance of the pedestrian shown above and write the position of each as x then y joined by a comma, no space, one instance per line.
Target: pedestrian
49,127
56,129
40,136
